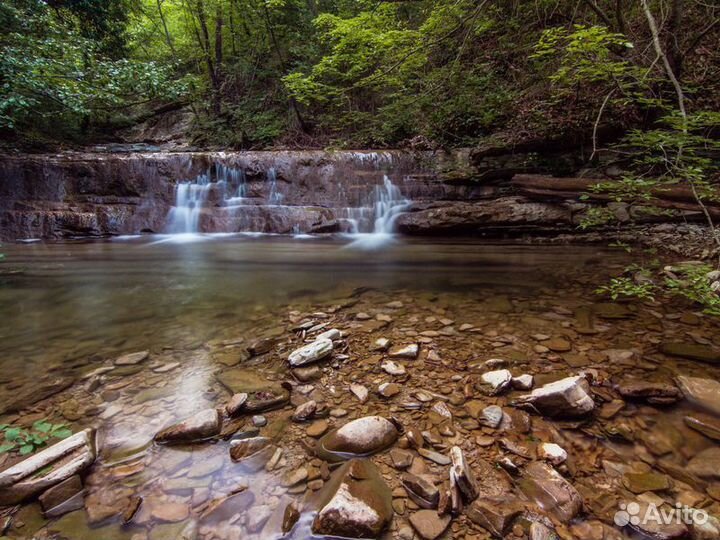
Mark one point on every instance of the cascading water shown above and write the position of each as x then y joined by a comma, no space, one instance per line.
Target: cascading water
274,197
374,223
192,196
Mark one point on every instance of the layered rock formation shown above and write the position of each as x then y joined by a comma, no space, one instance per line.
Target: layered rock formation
93,194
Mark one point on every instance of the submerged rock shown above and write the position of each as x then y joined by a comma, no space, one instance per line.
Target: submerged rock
653,392
132,359
692,351
312,352
544,485
358,438
704,393
235,406
428,524
569,397
63,497
202,425
705,424
48,467
356,503
706,464
495,515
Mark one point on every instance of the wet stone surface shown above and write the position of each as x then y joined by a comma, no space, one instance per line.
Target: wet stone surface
396,431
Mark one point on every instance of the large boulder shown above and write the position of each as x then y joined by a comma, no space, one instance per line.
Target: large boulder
355,503
358,438
48,468
568,398
200,426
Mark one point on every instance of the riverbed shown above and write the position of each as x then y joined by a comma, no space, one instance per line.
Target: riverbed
220,315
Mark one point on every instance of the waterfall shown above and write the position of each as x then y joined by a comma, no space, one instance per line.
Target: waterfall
274,197
374,223
192,196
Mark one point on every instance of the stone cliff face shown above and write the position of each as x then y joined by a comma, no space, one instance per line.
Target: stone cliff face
98,194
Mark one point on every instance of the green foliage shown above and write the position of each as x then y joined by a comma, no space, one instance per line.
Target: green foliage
625,286
585,54
27,441
54,70
692,282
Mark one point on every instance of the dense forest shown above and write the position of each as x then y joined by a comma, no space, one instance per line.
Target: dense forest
339,73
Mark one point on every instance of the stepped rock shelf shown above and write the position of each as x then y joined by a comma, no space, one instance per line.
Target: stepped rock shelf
94,194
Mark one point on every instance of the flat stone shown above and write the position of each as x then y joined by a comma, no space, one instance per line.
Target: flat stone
132,359
428,524
332,334
409,351
704,393
59,494
433,456
242,448
401,459
706,464
491,416
225,508
642,482
355,503
652,392
558,344
360,437
705,424
200,426
544,485
650,528
171,512
317,428
235,406
692,351
305,411
307,374
360,392
312,352
495,515
388,390
420,490
393,368
499,380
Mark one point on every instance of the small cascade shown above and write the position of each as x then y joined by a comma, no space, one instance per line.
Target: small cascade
192,196
374,223
274,196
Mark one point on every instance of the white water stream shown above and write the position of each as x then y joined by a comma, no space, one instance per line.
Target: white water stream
224,189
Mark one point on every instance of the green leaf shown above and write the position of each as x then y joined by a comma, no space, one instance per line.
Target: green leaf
62,433
13,434
26,449
6,447
42,426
